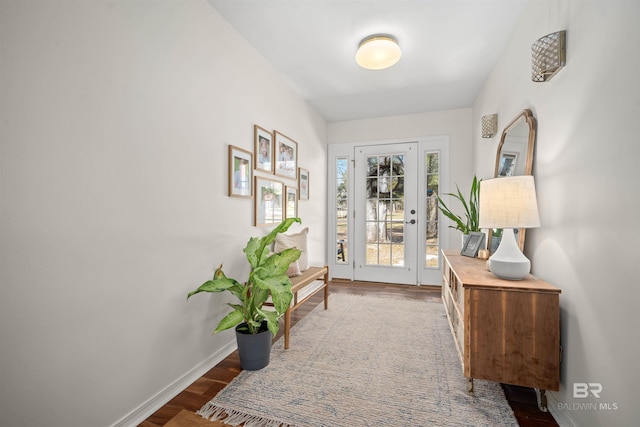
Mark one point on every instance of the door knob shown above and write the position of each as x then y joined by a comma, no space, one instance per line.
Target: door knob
413,221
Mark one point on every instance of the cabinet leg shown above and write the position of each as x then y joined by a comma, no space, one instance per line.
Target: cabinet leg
541,395
470,385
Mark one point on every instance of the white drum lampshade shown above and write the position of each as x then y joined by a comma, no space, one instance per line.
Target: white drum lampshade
509,203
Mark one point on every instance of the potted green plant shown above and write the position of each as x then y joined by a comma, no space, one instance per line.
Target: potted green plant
471,221
267,278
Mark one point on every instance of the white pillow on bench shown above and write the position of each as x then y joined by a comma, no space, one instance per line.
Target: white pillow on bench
298,241
294,269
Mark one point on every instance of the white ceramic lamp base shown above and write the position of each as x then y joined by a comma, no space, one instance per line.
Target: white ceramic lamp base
508,262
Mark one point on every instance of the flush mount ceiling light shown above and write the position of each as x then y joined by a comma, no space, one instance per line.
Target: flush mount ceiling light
378,52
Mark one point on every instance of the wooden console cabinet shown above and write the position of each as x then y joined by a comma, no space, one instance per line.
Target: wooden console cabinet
505,331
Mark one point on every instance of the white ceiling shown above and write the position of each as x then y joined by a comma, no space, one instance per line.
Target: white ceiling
448,49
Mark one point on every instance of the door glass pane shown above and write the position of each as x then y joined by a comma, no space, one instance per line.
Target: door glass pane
372,166
385,210
432,172
372,187
398,188
342,205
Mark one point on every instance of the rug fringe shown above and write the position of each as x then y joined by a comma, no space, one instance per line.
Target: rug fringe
236,418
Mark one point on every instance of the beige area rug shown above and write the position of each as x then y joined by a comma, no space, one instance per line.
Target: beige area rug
367,361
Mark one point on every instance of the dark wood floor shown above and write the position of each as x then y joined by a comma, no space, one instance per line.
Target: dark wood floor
182,407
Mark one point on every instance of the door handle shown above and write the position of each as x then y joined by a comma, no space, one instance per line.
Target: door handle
413,221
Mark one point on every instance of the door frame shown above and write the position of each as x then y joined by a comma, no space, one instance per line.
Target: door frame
408,272
347,150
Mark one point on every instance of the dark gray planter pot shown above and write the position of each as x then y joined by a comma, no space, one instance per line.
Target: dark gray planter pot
253,349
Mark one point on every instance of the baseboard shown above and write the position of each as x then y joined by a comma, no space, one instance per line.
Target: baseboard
156,402
562,417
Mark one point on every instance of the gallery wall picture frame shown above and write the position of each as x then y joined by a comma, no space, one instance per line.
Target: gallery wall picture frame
291,210
240,172
285,155
263,149
268,204
303,183
473,244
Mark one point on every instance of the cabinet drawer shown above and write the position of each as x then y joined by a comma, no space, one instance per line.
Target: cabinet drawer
454,284
456,320
453,298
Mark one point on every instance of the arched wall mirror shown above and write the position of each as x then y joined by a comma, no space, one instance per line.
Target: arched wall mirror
514,157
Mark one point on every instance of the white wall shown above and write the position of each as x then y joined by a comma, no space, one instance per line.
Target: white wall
115,121
454,123
586,170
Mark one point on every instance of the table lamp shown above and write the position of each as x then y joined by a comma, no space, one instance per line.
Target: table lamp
509,203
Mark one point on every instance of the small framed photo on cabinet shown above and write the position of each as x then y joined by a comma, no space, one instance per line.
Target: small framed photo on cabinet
473,244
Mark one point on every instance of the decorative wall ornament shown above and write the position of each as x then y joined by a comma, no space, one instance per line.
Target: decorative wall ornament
548,56
489,125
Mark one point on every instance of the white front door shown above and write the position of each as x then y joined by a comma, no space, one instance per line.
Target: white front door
386,213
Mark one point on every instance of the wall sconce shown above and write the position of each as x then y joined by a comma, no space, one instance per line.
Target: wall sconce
489,125
548,56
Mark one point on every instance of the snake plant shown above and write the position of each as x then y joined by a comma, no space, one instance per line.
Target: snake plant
471,222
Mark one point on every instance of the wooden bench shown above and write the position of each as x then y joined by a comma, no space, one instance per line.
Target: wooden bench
298,283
